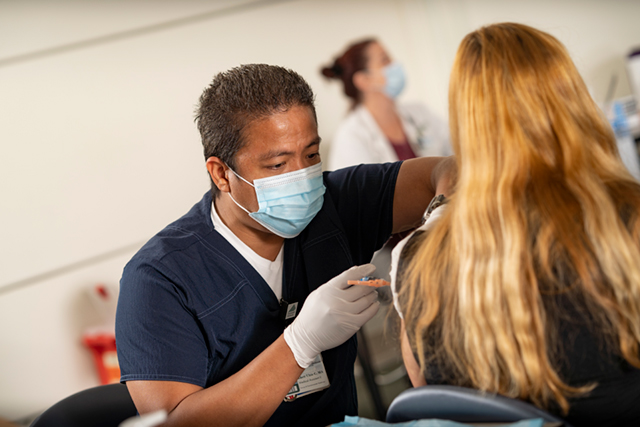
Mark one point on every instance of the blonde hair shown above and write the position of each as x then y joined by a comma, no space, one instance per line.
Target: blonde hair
543,206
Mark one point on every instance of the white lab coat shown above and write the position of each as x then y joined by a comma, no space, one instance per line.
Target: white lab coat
359,139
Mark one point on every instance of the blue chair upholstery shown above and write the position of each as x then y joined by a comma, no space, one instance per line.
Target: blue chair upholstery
102,406
462,405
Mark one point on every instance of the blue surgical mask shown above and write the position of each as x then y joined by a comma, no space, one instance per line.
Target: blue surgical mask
287,203
394,74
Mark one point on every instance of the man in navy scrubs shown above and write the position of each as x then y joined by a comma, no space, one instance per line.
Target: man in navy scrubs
239,313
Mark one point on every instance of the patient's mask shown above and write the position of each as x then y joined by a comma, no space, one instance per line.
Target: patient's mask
287,203
395,79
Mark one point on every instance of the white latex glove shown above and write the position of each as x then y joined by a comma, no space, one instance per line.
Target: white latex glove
331,315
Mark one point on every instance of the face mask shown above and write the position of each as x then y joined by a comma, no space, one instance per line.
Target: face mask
287,203
394,74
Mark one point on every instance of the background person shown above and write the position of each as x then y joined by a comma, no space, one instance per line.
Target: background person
529,284
221,312
377,129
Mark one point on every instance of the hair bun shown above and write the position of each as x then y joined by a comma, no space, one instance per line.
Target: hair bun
333,72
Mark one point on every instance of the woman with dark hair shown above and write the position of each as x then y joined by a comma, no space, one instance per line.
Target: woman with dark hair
528,285
377,129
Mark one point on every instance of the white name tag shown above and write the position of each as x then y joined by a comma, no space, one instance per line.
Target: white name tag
292,310
313,379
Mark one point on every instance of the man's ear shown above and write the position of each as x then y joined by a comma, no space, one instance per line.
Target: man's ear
217,171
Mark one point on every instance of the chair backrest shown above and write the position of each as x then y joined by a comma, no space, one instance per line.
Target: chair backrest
102,406
462,405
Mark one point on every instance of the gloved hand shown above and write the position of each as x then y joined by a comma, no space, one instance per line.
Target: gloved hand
331,315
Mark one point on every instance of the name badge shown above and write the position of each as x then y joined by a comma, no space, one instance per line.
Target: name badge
313,379
292,310
288,311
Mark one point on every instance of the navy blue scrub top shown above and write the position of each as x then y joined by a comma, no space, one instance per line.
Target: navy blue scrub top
192,309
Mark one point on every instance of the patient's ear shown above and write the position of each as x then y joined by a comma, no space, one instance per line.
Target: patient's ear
218,173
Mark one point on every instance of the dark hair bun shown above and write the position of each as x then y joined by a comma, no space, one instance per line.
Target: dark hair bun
333,72
354,59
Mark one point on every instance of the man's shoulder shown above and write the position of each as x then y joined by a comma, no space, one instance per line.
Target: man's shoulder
361,176
353,187
193,228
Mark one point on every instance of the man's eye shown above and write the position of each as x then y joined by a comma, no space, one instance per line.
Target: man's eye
278,166
313,155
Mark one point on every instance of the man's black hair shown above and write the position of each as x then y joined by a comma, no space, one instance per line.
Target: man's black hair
238,97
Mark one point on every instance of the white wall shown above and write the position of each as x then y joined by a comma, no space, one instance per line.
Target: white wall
99,148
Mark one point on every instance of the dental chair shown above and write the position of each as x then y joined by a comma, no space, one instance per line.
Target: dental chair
101,406
464,405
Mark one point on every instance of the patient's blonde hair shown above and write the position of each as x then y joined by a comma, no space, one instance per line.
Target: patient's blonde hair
543,206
